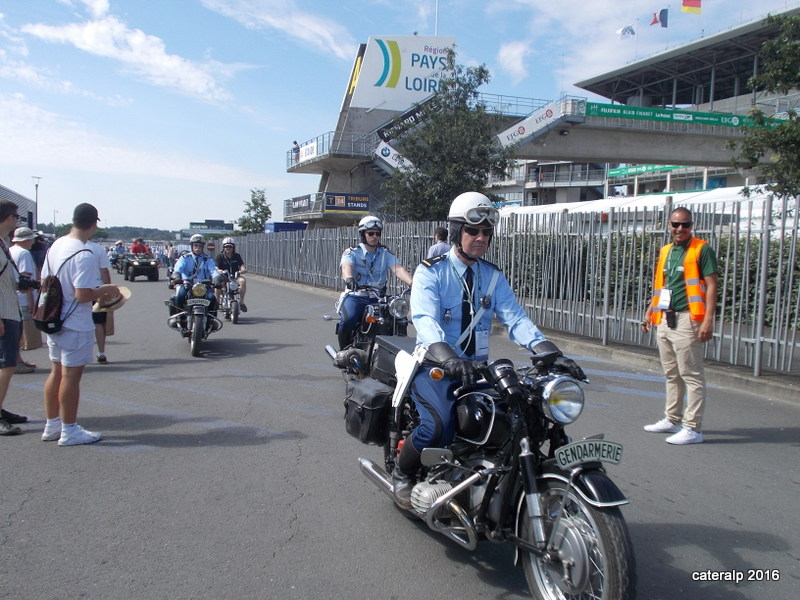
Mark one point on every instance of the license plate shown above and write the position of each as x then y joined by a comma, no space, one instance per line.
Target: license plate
198,301
585,451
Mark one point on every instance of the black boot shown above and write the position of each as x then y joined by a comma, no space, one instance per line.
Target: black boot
404,475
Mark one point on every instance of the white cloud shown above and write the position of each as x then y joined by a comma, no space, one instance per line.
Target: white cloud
33,136
142,54
511,59
325,35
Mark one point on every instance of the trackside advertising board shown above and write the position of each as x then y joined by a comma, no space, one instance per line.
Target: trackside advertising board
621,111
399,71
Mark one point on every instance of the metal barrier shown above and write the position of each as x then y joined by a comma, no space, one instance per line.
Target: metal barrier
590,274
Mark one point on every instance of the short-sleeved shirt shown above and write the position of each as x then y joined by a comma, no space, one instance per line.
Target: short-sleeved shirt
673,272
79,271
195,267
9,305
25,264
369,268
232,264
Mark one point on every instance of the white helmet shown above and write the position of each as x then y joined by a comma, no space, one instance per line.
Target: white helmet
473,208
197,239
228,241
370,222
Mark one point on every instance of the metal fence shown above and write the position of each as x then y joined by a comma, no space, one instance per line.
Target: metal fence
590,274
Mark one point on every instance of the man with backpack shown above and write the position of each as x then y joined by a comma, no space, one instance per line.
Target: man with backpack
71,347
10,319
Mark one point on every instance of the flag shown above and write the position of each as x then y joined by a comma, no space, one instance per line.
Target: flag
626,32
691,6
660,17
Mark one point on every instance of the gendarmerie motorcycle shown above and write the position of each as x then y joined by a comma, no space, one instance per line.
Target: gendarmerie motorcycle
195,320
512,475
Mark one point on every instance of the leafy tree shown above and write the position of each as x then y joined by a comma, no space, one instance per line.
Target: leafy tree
256,213
777,144
453,150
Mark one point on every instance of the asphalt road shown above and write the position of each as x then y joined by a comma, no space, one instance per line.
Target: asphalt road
230,476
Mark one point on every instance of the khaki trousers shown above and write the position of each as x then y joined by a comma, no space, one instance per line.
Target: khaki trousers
682,360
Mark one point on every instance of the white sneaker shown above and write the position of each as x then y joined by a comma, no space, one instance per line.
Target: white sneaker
78,436
663,426
51,434
686,436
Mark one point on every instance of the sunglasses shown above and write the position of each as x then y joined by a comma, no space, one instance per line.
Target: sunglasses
372,233
16,216
679,224
479,214
474,231
229,246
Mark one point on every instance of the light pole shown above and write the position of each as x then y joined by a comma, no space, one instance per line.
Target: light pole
55,212
36,179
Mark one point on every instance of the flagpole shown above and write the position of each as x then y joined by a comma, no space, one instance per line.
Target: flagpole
636,42
436,19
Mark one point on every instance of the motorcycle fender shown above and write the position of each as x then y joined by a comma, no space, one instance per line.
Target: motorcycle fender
198,310
593,485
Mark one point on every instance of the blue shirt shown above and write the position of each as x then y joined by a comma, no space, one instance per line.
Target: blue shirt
436,300
195,267
369,268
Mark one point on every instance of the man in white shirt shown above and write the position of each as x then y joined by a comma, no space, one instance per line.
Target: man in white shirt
71,348
26,294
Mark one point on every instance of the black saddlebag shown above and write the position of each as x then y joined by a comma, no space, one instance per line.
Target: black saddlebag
366,410
386,349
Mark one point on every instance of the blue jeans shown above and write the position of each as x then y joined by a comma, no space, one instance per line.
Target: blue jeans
435,403
350,312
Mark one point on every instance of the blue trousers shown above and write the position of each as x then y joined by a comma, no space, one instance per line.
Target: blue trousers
350,312
435,403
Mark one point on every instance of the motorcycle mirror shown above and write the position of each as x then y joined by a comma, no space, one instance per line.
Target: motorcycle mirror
431,457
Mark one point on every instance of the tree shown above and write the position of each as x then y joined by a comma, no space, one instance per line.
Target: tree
256,213
776,143
453,150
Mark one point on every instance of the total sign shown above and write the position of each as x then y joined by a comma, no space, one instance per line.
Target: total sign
534,122
400,71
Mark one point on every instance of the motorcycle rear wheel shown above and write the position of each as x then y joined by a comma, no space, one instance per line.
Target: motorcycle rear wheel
198,327
594,540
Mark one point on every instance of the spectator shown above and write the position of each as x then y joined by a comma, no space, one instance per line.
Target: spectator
100,319
71,348
440,245
10,323
20,251
683,307
295,151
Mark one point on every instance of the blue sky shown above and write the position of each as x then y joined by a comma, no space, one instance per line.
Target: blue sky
162,112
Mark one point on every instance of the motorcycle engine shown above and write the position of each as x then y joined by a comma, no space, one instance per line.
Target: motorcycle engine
426,493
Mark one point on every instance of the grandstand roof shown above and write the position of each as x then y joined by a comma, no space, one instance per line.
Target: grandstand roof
725,58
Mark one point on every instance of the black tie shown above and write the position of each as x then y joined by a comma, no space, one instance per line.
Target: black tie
468,345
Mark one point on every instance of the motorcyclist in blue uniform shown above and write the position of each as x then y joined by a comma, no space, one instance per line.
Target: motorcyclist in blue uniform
453,300
195,266
365,265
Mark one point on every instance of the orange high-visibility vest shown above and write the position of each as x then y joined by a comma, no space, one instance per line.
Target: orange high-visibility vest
695,285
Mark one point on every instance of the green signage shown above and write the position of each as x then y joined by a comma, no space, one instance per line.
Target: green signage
621,111
639,169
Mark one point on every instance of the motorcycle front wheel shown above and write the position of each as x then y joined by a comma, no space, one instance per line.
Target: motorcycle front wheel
595,558
198,328
235,311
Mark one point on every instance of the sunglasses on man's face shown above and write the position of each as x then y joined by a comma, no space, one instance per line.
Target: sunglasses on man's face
474,231
679,224
372,232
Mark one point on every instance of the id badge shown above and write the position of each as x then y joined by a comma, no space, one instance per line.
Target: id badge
664,298
482,342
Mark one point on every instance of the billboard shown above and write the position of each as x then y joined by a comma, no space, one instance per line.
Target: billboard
398,71
356,203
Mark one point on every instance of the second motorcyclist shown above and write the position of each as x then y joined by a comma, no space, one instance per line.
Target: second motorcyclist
364,270
231,261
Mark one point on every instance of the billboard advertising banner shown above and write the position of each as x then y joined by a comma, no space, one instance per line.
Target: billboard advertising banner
356,203
398,71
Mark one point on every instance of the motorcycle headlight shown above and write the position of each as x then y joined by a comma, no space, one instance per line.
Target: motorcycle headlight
199,290
233,285
398,308
562,400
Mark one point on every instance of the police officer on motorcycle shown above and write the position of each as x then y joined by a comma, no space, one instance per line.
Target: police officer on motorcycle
453,301
365,265
198,266
231,261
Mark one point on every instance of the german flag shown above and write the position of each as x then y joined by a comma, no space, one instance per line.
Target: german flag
691,6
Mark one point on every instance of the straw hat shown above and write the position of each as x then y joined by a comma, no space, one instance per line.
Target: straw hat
114,303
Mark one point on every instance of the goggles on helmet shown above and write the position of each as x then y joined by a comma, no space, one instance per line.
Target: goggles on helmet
372,224
477,215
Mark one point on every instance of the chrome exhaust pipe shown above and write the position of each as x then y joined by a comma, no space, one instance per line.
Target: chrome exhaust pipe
378,476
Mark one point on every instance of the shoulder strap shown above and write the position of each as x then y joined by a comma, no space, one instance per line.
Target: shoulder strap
477,316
